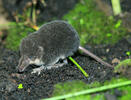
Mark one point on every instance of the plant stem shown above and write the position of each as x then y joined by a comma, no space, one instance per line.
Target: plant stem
116,7
82,70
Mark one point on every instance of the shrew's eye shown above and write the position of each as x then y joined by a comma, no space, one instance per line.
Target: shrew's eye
30,57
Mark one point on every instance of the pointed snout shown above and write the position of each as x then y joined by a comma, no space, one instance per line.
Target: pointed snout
20,68
23,64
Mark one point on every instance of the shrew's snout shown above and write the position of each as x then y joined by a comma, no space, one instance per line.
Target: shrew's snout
23,64
20,69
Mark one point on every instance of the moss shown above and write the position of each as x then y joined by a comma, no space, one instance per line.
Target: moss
126,93
76,86
125,90
71,87
125,63
16,33
88,97
92,26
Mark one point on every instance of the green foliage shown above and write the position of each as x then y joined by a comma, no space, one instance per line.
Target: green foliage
126,93
122,65
126,90
71,87
76,86
20,86
16,33
115,80
128,53
88,97
63,88
92,26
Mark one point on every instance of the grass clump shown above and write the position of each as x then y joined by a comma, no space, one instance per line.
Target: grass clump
93,26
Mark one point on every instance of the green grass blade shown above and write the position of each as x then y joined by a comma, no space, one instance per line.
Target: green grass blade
116,7
82,70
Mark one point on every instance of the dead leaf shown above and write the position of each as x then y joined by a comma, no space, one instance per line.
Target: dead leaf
115,60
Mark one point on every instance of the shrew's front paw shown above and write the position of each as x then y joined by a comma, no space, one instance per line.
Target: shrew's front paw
37,70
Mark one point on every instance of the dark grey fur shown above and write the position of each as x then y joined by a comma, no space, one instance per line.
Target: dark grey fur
58,40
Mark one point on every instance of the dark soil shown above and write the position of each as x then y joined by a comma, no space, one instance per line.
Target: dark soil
36,87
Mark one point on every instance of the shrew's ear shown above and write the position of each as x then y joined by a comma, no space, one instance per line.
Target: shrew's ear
40,51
